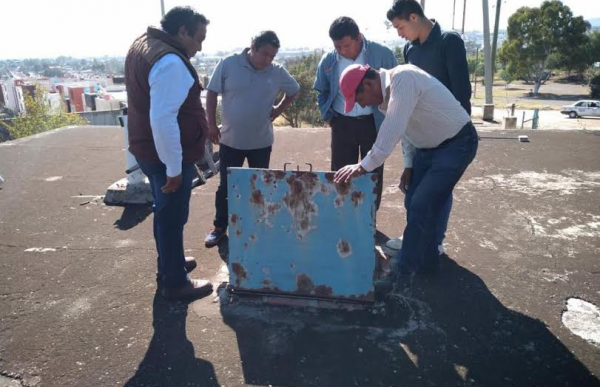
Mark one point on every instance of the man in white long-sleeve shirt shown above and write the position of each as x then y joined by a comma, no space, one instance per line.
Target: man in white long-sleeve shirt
167,130
423,110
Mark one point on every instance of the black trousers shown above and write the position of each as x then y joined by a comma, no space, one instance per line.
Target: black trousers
353,137
231,157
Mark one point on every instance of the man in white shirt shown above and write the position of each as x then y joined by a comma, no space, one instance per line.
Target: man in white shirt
423,110
167,131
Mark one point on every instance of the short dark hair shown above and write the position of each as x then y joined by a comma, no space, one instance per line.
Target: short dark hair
342,27
183,16
370,74
264,38
402,9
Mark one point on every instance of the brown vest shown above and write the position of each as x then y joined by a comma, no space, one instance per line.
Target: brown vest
144,52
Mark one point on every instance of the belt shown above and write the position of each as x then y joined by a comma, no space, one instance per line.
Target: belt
465,131
359,118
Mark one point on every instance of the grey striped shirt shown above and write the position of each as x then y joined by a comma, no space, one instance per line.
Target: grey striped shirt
416,106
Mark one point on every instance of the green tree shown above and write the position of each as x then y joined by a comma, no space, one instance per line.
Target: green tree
399,54
595,86
304,109
534,34
38,118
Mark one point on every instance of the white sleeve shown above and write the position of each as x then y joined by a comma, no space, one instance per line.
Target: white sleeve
170,82
408,152
404,94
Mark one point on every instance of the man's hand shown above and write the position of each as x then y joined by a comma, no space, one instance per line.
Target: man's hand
276,112
345,174
214,134
172,185
405,180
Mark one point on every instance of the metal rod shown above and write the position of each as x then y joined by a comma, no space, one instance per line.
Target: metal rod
162,8
495,38
487,59
464,15
453,14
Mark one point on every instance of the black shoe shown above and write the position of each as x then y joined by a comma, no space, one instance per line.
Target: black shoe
213,237
192,290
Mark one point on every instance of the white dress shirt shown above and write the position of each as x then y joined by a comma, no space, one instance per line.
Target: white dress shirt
170,82
416,106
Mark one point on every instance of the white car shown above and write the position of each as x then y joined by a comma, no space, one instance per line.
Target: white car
582,108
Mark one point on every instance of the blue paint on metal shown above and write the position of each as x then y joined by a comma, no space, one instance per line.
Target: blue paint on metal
298,232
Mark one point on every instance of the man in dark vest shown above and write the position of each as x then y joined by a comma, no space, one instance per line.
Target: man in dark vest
167,130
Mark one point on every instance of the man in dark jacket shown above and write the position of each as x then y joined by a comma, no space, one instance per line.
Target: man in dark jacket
443,55
167,129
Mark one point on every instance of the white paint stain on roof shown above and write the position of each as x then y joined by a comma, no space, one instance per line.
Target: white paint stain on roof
583,319
40,250
54,178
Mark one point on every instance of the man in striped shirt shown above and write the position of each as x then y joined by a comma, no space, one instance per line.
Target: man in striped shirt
425,112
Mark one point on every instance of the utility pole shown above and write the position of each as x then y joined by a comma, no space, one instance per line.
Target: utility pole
453,14
464,14
423,4
488,108
475,73
495,41
162,7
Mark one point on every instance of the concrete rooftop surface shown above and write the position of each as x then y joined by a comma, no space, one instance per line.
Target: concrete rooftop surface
513,306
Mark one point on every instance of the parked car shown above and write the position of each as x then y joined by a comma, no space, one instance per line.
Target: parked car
582,108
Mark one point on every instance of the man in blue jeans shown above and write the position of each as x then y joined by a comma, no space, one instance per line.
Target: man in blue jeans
441,54
167,131
353,132
421,109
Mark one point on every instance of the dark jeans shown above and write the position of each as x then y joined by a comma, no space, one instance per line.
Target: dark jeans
171,212
231,157
442,223
351,138
436,172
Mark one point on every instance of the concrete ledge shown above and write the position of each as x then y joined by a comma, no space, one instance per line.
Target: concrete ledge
126,192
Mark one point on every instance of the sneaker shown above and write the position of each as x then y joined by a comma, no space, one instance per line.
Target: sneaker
213,237
192,290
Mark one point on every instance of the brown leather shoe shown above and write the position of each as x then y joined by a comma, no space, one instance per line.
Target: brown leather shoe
192,290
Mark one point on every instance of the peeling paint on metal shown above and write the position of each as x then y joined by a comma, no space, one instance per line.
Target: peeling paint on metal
240,273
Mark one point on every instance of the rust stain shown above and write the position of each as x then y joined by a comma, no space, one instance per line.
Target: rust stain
266,283
253,238
267,177
257,198
357,198
299,201
343,248
279,175
234,218
273,208
338,202
253,178
238,196
324,291
343,188
304,284
240,273
374,177
329,176
238,233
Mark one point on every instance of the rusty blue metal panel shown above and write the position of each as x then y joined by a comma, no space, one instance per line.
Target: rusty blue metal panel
299,232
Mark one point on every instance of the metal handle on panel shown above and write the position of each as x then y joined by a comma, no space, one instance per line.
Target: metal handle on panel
310,165
285,166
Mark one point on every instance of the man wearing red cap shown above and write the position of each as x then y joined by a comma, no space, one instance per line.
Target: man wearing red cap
425,112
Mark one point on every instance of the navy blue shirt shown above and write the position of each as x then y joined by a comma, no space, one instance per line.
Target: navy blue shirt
443,55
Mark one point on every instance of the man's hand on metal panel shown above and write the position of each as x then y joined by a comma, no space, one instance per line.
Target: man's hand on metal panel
405,180
348,172
172,184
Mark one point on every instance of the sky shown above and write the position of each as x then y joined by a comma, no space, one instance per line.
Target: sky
95,28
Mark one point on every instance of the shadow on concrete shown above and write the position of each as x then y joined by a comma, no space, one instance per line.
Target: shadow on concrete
170,359
133,214
446,330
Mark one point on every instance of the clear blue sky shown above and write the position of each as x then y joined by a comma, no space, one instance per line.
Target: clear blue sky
83,28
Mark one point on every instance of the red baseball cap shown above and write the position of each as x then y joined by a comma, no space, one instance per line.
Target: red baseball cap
349,81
